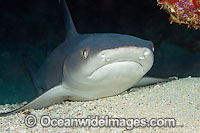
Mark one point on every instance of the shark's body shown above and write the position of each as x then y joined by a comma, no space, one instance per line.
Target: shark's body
90,66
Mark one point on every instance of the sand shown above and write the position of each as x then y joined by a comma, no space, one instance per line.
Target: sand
179,99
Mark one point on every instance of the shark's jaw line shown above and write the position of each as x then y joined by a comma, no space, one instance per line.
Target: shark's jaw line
110,79
113,64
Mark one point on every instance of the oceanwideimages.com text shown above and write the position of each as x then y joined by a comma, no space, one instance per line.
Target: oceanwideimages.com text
97,121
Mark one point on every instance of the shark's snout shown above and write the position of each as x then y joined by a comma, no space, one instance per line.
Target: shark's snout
140,55
130,62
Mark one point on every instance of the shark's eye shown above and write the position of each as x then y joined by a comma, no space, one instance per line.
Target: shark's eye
85,53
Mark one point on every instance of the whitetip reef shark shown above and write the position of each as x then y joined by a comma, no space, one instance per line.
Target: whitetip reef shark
90,66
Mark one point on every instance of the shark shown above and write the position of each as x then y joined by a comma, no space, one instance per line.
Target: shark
90,66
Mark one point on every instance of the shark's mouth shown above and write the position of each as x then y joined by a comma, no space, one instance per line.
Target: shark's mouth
122,67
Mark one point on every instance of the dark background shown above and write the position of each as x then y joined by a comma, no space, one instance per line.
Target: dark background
30,26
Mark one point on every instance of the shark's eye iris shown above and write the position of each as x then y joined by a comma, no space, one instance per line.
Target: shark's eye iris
85,53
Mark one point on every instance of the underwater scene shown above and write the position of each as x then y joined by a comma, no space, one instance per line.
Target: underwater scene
32,30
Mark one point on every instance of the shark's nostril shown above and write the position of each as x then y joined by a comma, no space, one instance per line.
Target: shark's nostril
105,59
141,58
108,59
103,55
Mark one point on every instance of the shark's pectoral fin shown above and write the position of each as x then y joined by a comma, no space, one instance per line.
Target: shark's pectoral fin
52,96
150,80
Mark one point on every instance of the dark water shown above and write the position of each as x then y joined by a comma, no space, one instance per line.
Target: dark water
31,27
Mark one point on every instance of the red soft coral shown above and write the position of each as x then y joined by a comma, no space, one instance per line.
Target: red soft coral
183,11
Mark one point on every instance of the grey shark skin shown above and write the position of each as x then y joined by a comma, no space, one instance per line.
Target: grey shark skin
91,66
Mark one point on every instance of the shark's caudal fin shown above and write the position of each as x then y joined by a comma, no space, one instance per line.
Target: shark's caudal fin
69,25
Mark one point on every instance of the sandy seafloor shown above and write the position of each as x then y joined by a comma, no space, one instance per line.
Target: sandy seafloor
179,99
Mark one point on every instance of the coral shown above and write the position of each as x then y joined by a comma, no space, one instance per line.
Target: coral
183,11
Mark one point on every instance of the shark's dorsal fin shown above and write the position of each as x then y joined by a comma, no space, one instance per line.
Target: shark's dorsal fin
69,25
